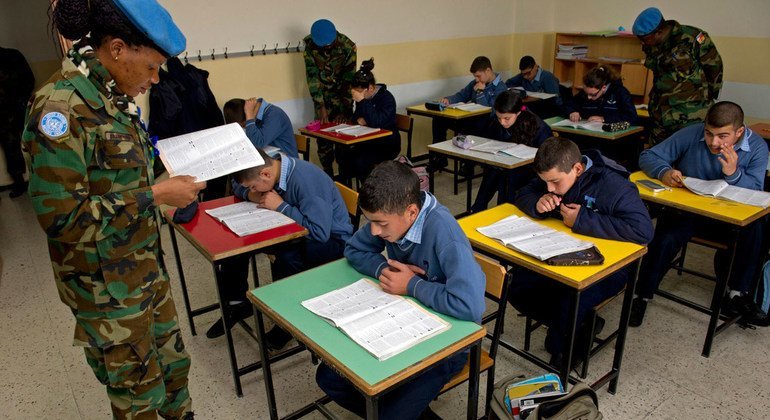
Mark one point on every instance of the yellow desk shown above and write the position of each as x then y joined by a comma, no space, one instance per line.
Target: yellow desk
734,214
616,256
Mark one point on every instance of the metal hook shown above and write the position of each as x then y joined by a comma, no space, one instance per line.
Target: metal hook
275,49
185,58
298,44
225,52
288,44
199,56
212,55
252,51
263,49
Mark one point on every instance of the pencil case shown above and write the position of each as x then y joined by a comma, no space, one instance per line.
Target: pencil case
434,106
314,125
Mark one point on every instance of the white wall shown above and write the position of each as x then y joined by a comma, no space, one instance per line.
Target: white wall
23,26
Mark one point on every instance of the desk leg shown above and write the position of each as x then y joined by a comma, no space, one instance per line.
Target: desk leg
372,407
717,299
253,262
228,333
567,362
431,181
266,371
470,169
473,380
182,281
625,314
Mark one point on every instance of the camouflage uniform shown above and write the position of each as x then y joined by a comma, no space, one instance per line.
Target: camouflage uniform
687,72
91,189
330,73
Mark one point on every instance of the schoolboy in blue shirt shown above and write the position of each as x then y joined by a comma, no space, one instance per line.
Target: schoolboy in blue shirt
593,196
306,194
429,258
534,78
265,124
719,148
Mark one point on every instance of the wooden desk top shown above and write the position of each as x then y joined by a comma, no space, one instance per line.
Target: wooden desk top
282,302
615,135
616,254
215,241
763,129
343,138
714,208
449,113
494,159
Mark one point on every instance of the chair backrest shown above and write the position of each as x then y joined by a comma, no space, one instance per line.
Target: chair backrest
303,145
350,197
495,274
405,124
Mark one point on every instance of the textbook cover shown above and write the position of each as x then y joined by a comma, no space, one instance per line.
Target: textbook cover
521,394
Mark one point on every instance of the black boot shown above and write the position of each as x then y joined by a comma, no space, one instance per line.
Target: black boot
638,308
235,313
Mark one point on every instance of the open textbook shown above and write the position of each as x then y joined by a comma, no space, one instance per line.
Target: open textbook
721,189
539,95
381,323
521,151
583,124
532,238
246,218
210,153
468,106
351,130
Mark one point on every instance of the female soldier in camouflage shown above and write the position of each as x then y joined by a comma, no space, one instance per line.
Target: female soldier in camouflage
92,187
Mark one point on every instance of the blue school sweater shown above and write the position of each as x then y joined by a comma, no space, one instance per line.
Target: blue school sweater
310,199
614,105
453,283
486,97
688,152
610,204
272,127
379,111
544,81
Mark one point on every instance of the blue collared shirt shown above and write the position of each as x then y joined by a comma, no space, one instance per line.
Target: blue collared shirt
286,166
414,234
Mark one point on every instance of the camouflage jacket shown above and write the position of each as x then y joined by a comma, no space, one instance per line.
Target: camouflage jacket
330,74
687,69
90,188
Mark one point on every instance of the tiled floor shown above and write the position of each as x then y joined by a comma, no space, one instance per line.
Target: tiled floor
664,375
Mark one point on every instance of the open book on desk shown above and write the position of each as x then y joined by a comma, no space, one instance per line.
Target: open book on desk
582,124
539,95
532,238
246,218
720,189
210,153
521,151
351,130
468,106
381,323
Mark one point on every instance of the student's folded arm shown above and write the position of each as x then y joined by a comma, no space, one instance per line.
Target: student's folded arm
380,116
364,252
463,294
239,190
257,132
628,219
527,197
314,213
658,159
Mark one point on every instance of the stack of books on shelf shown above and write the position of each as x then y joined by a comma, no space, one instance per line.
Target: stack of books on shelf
572,51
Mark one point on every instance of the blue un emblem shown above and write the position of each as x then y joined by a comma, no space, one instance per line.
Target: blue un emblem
54,124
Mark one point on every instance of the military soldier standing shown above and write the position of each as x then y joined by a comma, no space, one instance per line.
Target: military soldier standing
92,187
330,63
687,71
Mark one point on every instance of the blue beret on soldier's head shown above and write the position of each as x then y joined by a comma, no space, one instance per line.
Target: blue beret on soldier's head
647,21
323,32
151,19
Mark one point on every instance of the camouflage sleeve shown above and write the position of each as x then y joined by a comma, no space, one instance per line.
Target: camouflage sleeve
711,62
313,82
349,68
59,185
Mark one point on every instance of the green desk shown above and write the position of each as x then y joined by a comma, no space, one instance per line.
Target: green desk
606,135
281,302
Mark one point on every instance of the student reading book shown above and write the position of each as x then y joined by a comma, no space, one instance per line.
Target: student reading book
265,124
539,83
720,148
382,323
592,195
603,99
429,258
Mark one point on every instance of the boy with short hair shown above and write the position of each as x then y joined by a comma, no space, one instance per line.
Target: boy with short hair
429,258
593,196
303,192
719,148
534,78
265,124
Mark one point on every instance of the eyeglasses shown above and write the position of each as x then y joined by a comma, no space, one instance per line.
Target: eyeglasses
596,94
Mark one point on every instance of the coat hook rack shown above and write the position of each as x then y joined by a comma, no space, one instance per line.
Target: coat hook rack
225,52
199,56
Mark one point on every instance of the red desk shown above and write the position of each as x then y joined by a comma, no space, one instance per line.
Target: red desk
342,138
217,243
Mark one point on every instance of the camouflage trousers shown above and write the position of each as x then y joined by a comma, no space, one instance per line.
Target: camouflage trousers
666,121
146,375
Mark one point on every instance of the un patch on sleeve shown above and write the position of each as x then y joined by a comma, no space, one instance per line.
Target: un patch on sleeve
54,124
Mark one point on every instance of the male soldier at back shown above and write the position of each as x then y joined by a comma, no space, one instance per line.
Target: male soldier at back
687,71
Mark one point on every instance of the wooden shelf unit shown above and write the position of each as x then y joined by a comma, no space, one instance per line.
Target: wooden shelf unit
636,78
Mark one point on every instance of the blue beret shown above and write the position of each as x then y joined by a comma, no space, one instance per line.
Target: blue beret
647,21
155,23
323,32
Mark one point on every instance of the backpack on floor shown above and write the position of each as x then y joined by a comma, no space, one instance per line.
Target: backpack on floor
580,403
420,170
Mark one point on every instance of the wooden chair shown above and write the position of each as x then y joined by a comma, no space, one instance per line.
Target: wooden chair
678,263
303,145
350,197
496,290
405,123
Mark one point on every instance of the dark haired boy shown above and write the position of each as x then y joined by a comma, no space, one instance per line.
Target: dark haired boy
592,195
719,148
303,192
429,258
534,78
265,124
